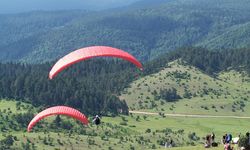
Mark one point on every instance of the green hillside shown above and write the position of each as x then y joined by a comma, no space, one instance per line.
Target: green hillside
146,29
192,92
117,133
197,93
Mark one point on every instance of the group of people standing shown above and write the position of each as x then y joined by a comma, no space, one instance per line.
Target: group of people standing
228,141
243,142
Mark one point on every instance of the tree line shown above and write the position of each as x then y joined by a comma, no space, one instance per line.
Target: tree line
211,62
92,86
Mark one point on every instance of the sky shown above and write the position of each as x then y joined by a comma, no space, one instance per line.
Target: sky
16,6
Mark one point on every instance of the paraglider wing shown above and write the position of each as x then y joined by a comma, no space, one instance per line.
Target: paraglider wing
58,110
90,52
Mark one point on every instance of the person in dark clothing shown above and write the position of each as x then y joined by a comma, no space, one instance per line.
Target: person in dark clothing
97,120
213,137
224,139
248,136
214,144
208,141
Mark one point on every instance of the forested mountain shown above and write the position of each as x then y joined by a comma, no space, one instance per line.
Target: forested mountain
146,29
95,85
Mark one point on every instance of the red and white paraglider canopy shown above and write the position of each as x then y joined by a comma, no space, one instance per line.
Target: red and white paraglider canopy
90,52
58,110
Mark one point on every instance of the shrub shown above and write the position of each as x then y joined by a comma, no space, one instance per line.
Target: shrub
169,95
243,142
193,136
123,123
148,130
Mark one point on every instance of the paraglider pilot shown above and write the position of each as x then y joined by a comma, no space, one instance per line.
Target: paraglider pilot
97,120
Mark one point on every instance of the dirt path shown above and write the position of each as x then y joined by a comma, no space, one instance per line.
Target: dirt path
189,115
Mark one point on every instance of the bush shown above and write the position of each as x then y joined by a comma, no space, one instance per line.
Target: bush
153,146
187,94
193,136
148,130
123,123
8,141
243,142
170,95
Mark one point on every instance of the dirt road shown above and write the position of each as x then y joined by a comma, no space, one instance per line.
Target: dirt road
189,115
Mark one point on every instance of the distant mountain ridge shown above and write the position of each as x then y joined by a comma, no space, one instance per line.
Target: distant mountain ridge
145,30
14,6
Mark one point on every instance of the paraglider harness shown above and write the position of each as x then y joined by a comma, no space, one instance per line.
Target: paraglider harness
97,120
